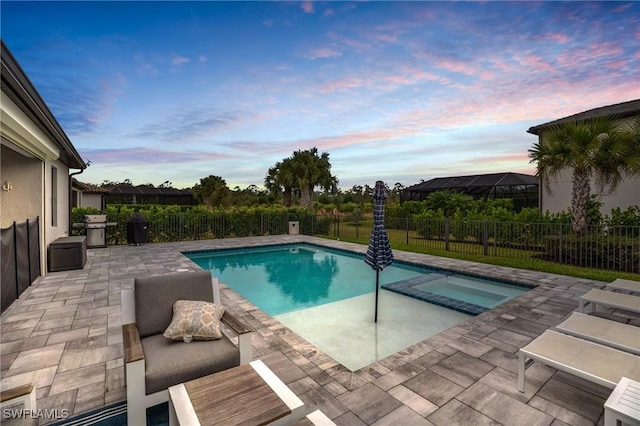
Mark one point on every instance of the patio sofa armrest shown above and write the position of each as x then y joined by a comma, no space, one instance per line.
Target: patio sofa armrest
244,332
234,323
131,343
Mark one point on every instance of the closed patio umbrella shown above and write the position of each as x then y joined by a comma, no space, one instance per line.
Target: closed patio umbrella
379,254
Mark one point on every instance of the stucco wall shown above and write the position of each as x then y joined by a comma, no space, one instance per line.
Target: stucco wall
24,200
61,229
92,200
626,194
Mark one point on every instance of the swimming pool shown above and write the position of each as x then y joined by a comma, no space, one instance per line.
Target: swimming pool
326,296
285,278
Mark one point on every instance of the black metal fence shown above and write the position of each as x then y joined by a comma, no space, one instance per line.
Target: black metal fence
186,227
19,259
615,248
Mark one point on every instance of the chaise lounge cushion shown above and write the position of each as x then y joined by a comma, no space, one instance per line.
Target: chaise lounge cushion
197,319
169,363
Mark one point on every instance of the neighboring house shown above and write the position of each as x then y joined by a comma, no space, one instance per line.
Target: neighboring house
88,195
129,194
36,159
627,194
521,188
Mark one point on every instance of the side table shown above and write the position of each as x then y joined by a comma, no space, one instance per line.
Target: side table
623,404
250,394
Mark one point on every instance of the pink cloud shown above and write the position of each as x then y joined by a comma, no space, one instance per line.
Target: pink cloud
537,100
307,6
324,52
593,53
413,75
356,138
556,37
534,63
141,155
179,60
342,84
622,7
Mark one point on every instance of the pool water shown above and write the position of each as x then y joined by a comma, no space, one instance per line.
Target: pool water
327,297
286,278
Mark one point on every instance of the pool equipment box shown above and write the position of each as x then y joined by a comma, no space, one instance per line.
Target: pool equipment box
67,253
294,227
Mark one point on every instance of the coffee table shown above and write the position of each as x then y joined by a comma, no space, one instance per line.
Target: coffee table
250,394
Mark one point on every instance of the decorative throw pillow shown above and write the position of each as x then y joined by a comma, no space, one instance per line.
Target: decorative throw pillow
195,320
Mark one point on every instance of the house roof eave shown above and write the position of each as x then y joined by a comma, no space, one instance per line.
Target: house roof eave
621,110
19,88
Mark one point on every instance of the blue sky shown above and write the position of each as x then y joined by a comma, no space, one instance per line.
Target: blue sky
398,91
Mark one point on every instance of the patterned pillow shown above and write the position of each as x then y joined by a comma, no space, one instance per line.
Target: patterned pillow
200,320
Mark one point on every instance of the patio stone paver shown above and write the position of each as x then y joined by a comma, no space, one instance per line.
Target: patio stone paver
501,407
434,387
455,413
369,402
64,335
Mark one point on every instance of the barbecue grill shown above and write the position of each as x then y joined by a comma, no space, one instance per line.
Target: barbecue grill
95,226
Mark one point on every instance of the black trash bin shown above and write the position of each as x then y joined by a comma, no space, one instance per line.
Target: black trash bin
137,229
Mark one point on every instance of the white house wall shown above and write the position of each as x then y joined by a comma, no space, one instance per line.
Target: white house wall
92,200
27,158
61,229
24,177
627,194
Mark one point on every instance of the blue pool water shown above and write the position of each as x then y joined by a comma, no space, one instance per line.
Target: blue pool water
285,278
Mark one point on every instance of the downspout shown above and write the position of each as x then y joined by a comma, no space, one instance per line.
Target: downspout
71,197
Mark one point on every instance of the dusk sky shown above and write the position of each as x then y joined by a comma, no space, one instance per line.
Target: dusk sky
393,91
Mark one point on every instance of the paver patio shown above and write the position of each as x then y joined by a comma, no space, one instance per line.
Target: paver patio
64,335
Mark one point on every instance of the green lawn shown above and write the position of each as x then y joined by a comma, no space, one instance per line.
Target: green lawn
522,259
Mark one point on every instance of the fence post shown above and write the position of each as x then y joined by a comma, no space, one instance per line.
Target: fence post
29,252
261,223
406,221
39,252
560,245
357,228
485,238
495,238
15,257
446,234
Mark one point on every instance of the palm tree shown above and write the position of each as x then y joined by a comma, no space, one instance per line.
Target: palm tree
311,170
596,149
301,173
280,181
448,201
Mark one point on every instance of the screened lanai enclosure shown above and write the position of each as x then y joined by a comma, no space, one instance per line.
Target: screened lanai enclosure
521,188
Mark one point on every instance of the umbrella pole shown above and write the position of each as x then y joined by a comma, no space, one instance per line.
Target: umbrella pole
375,319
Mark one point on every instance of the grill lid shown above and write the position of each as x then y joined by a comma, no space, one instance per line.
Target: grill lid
95,218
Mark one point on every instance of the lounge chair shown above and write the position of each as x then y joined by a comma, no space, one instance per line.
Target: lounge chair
591,361
153,363
611,299
624,285
606,332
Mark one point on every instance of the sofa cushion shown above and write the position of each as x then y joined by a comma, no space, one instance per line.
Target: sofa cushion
169,363
155,295
195,320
